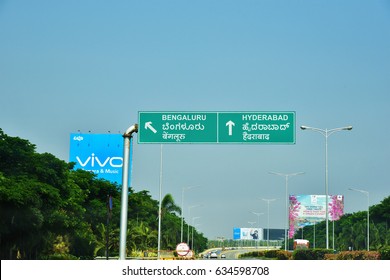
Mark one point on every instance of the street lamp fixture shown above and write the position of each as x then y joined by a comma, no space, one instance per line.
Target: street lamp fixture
192,235
188,225
303,127
326,133
368,213
182,209
286,224
258,222
268,200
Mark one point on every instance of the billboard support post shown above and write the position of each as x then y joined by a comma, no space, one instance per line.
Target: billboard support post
125,189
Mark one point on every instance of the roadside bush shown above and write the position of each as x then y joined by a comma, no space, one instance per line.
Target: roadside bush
61,257
283,255
358,255
330,257
385,253
304,255
254,254
309,254
271,254
321,253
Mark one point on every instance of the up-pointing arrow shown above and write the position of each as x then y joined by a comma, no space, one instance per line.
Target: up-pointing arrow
148,125
230,124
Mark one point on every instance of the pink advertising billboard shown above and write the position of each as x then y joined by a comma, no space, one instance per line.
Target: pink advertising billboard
307,210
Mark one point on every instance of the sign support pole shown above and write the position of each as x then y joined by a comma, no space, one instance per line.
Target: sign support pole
125,190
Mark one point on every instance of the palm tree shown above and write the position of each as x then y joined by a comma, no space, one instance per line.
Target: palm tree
168,205
168,214
100,243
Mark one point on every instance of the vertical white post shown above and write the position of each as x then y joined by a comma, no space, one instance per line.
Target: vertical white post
159,207
125,190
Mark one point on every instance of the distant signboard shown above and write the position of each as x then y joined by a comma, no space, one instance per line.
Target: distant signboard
247,233
217,127
306,210
101,154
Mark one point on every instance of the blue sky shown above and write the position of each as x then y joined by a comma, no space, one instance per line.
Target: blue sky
92,65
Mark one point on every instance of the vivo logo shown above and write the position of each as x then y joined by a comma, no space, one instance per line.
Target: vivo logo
78,138
112,161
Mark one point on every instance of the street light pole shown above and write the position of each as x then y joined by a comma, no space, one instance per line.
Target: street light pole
368,214
286,224
192,235
160,205
182,209
268,201
126,176
326,133
258,223
193,246
252,223
188,225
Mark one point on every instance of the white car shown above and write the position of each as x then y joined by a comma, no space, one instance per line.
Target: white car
213,255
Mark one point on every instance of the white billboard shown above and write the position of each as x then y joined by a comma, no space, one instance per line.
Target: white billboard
248,234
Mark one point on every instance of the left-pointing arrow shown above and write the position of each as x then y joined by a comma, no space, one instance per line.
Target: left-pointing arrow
148,125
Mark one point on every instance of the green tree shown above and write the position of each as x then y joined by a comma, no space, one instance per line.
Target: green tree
48,210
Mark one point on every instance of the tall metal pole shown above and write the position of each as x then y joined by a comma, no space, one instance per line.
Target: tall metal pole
326,189
160,204
326,133
286,210
192,235
368,214
193,246
252,223
314,238
125,190
188,225
268,201
368,221
258,224
182,213
182,209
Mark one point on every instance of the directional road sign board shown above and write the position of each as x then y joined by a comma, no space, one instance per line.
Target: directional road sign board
174,127
217,127
256,127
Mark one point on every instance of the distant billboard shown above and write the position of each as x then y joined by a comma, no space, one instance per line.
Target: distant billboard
247,233
101,154
306,210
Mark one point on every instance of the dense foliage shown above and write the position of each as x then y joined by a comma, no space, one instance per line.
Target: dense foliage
50,211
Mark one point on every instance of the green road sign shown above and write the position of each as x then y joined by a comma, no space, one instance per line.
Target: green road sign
217,127
256,127
175,127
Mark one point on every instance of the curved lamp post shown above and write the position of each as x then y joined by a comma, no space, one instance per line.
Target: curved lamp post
192,234
127,136
268,200
326,133
258,223
188,225
368,214
286,225
182,209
